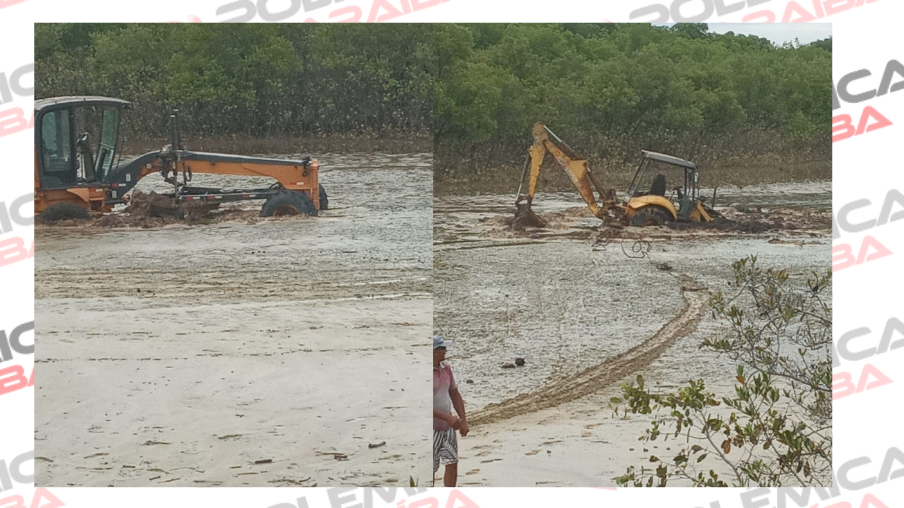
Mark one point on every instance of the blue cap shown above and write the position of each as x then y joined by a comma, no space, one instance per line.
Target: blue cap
440,342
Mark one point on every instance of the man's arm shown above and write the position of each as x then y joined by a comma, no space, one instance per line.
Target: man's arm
459,404
449,418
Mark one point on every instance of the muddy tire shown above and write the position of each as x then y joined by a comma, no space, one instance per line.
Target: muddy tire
64,211
650,215
324,201
288,202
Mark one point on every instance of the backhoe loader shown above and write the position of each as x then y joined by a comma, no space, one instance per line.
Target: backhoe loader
71,172
645,206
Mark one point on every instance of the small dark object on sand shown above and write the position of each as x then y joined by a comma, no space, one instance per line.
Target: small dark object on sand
519,362
264,461
376,445
508,366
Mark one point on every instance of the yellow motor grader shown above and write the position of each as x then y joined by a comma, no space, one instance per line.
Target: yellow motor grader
646,206
72,173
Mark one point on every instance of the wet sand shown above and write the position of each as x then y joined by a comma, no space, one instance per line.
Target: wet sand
587,312
245,352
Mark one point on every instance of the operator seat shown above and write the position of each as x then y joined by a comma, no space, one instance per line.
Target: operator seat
658,187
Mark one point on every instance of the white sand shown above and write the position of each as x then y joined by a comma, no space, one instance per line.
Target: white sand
194,396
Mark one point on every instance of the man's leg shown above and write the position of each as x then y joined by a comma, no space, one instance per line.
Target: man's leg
450,450
437,444
450,477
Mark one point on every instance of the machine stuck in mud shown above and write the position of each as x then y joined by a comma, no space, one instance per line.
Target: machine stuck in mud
647,204
74,177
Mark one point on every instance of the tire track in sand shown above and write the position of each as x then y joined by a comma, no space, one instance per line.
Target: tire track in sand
593,379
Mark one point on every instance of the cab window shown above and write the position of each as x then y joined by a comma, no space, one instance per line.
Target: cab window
57,142
107,148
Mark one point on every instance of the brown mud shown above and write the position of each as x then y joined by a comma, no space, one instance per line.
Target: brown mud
733,223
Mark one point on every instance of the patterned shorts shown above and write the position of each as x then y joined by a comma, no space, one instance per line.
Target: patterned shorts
445,447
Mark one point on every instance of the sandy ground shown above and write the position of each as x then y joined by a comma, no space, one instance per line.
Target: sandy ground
244,352
588,313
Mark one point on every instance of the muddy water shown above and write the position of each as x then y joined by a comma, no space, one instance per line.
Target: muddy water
181,355
373,241
566,303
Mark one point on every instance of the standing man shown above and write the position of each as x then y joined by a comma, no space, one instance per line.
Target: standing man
445,396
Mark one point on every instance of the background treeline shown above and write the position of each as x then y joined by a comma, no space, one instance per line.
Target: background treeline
611,90
252,80
608,89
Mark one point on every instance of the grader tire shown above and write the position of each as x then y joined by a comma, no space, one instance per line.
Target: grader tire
651,215
288,202
63,211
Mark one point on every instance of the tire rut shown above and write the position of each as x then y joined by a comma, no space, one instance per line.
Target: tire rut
594,379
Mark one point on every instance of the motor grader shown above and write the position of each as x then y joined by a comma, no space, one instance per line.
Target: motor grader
72,172
646,206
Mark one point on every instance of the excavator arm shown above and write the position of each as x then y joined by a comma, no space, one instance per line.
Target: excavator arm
577,169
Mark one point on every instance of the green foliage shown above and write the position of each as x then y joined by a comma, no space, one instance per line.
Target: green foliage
613,89
777,428
253,79
825,44
692,30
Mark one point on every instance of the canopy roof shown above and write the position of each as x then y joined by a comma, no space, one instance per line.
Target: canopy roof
668,159
81,100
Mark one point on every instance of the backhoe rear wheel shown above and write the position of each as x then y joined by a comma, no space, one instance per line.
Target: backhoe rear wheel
288,202
650,215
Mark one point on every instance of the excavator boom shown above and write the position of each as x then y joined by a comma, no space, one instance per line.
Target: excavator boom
577,169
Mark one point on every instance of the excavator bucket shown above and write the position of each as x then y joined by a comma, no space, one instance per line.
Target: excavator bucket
526,218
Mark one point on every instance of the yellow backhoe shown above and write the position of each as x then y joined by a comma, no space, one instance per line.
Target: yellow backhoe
646,206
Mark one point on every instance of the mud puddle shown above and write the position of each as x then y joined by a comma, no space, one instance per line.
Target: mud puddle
373,198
